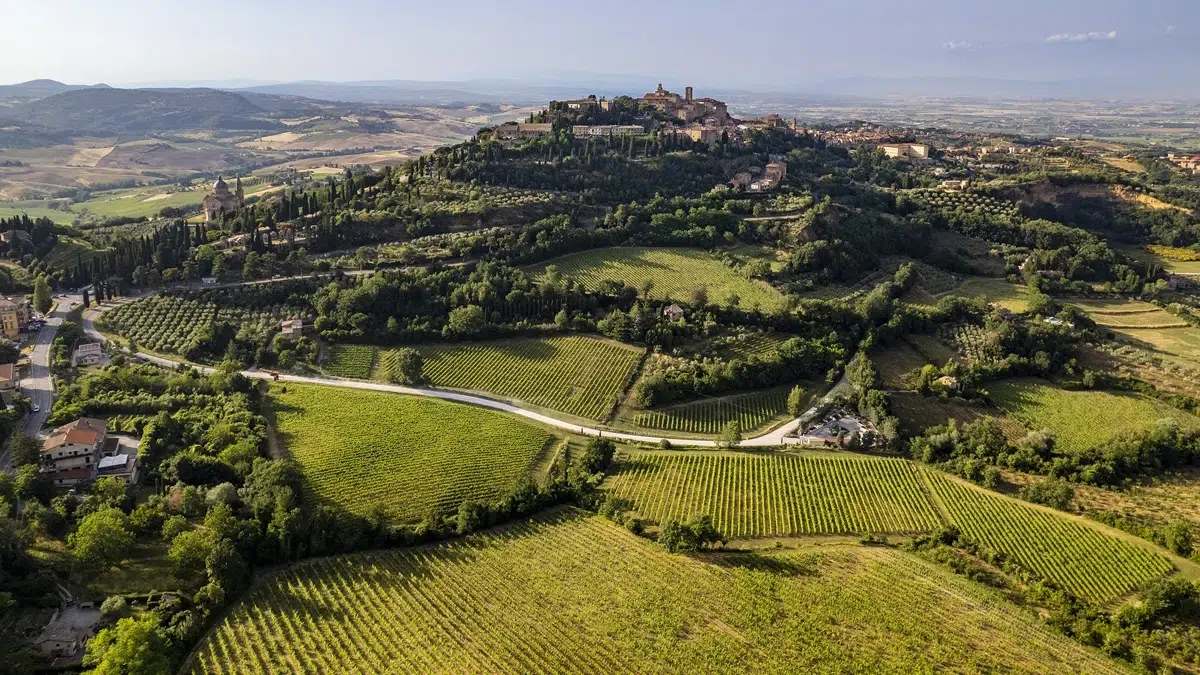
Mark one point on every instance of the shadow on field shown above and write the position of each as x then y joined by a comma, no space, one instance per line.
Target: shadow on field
756,562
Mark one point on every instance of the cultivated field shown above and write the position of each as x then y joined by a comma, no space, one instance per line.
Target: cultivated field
675,273
1128,314
1092,565
1081,419
917,412
1177,345
167,323
353,361
775,495
896,361
708,417
932,348
568,593
578,375
359,449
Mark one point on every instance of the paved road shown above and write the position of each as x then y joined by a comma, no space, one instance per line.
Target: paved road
38,385
772,438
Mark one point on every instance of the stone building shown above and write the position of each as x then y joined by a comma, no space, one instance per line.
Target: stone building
221,200
685,108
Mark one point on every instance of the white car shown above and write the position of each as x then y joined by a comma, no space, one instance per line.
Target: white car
37,408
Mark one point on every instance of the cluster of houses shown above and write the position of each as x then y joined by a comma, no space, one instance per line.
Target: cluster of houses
1187,162
84,451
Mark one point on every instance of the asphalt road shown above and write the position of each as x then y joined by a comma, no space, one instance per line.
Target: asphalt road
38,385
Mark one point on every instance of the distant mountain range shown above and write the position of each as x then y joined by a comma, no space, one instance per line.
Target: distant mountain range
41,89
106,110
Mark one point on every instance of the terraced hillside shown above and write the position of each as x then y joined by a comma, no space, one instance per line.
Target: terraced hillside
569,593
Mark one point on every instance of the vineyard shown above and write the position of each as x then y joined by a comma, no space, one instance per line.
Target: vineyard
568,593
674,273
708,417
578,375
755,496
932,348
895,362
353,361
409,454
1086,562
1082,420
169,323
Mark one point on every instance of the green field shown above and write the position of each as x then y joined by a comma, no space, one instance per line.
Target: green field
997,291
675,273
140,202
774,495
35,212
1081,419
69,251
409,454
1128,314
578,375
1177,345
573,594
1092,565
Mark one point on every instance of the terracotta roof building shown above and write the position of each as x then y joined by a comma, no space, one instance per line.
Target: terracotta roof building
70,454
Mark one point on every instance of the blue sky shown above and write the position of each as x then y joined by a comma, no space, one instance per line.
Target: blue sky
775,44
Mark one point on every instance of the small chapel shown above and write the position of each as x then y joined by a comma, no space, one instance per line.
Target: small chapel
221,200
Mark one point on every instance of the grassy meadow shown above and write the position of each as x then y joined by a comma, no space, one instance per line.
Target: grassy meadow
1081,419
674,272
409,454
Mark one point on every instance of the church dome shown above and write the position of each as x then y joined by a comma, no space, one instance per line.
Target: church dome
220,185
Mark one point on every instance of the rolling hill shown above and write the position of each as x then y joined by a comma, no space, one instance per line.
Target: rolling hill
98,111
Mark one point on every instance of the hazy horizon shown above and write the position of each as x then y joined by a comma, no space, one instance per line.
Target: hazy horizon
772,45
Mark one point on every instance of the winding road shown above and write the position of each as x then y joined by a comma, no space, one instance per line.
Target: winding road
782,435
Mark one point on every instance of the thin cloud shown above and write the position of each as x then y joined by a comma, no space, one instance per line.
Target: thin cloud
954,45
1094,36
1170,30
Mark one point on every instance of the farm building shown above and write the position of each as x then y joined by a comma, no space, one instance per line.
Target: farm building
292,327
673,312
